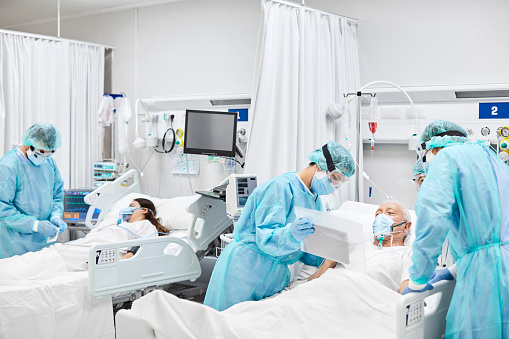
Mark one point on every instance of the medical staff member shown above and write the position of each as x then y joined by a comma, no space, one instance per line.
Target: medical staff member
465,197
419,175
268,236
31,193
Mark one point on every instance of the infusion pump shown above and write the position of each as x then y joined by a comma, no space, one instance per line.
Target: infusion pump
240,187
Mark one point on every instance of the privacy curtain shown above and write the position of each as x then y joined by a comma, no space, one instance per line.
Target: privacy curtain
307,60
54,81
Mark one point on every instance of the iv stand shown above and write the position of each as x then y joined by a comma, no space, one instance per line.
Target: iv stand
359,95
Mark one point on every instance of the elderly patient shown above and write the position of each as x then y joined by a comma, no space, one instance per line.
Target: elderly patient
387,263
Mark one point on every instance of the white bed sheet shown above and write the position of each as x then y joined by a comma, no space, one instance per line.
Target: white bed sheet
40,299
341,303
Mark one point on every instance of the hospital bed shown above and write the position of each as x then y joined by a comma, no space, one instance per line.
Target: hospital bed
44,300
412,316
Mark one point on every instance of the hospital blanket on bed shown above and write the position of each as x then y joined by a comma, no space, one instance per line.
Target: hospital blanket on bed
40,299
340,304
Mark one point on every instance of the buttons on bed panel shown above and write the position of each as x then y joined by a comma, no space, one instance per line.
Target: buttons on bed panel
106,256
414,313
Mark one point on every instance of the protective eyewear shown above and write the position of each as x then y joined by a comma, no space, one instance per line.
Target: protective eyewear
418,179
337,178
43,154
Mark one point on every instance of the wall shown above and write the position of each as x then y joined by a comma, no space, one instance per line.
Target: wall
207,47
194,47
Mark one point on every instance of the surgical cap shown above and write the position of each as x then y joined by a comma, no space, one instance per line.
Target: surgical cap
340,157
42,136
418,169
431,134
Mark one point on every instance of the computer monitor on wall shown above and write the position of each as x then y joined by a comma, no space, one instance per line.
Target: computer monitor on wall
210,133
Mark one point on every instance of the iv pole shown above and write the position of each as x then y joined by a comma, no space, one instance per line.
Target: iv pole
359,95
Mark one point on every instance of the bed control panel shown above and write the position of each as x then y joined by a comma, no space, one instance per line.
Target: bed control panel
106,256
414,313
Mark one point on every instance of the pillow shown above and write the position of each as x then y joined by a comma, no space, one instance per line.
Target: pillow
172,212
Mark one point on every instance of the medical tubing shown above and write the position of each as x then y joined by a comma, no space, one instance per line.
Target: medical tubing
367,178
188,175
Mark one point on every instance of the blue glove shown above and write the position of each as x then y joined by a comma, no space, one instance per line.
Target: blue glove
46,228
301,228
59,223
409,290
442,274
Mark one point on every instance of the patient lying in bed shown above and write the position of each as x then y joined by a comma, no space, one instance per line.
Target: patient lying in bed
141,224
387,265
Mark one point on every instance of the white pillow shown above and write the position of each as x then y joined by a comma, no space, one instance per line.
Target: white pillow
172,212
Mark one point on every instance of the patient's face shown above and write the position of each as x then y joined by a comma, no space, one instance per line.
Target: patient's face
137,214
391,209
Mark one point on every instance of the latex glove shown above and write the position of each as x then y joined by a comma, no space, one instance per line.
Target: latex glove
409,290
301,228
441,274
59,223
46,228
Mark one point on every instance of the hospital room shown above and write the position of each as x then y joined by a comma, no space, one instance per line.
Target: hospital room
254,169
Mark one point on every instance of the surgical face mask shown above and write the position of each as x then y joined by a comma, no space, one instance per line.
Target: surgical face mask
321,184
37,158
429,157
383,227
125,214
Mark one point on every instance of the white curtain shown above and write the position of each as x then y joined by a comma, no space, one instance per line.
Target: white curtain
307,59
54,81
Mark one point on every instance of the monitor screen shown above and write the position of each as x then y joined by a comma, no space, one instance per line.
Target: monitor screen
210,133
75,207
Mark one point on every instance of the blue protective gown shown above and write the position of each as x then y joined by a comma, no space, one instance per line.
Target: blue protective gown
27,193
465,196
255,265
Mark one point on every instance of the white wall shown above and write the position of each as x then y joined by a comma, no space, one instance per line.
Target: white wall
184,48
207,47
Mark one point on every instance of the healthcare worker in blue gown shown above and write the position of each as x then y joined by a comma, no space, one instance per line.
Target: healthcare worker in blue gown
466,197
268,236
31,193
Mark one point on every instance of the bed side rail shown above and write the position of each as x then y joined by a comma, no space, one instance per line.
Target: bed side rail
150,266
104,197
417,318
209,221
129,325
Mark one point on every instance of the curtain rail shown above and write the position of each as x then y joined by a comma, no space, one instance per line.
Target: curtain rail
289,3
47,37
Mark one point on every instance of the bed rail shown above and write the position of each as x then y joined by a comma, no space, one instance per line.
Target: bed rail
209,221
104,197
418,317
150,266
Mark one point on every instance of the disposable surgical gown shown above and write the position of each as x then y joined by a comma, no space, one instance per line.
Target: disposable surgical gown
255,264
27,193
465,196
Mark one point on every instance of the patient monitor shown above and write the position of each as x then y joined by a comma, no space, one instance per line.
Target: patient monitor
240,187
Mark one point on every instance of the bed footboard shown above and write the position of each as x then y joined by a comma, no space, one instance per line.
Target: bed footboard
422,315
151,266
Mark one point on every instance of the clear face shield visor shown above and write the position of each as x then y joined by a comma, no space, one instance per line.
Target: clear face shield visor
417,180
336,177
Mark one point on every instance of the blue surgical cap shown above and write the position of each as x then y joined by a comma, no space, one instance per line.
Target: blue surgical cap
42,136
432,138
340,157
418,169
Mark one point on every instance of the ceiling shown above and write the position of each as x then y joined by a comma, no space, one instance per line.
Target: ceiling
15,13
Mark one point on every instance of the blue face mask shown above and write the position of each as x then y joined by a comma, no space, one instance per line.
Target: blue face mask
36,158
125,214
382,225
321,184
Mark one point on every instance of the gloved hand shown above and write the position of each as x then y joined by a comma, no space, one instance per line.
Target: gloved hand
409,290
301,228
46,228
59,223
442,274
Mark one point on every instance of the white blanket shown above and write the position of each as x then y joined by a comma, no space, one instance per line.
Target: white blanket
340,304
39,299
